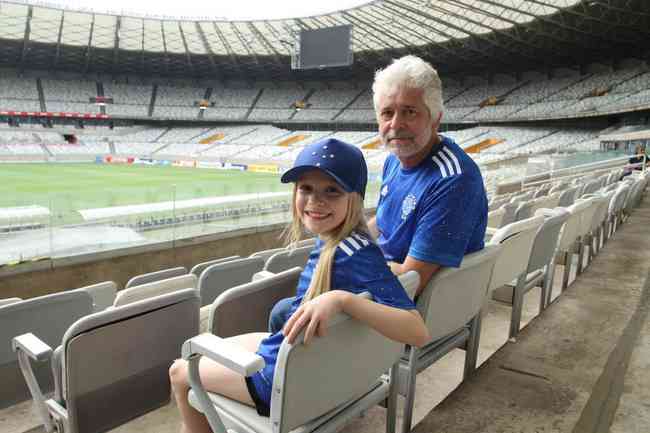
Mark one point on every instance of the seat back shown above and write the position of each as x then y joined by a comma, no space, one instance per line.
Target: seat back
157,288
587,215
524,210
559,187
591,187
516,242
546,239
542,191
103,294
571,229
509,213
47,317
139,280
567,197
222,276
246,308
287,259
312,380
547,202
200,267
620,196
604,199
115,362
455,295
265,254
311,242
495,217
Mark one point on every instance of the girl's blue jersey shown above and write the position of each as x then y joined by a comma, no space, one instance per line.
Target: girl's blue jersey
359,266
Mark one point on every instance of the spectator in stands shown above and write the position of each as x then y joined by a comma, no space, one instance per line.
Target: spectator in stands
330,181
432,208
639,158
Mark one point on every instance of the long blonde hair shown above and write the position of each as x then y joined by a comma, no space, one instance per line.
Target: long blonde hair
355,221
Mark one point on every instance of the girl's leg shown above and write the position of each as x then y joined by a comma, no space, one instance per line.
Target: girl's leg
215,378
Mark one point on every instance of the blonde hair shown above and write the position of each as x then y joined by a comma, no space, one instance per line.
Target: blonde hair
354,221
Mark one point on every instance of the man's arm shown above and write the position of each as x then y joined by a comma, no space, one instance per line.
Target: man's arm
425,269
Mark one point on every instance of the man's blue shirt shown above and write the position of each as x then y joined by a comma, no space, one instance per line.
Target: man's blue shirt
435,212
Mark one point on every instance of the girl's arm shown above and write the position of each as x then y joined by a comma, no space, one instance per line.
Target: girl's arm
405,326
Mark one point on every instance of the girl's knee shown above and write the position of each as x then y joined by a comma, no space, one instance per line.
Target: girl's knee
178,375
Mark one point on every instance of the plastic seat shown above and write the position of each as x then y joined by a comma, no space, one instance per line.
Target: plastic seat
265,254
347,367
287,259
567,197
568,239
150,277
524,210
495,217
112,366
103,294
540,266
451,308
48,316
7,301
156,288
516,241
510,210
222,276
200,267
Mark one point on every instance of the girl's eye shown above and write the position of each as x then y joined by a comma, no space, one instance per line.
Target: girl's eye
304,188
334,192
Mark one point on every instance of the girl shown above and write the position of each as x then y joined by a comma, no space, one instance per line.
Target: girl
330,181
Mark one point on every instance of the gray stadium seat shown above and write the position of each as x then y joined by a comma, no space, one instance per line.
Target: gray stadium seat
200,267
48,316
103,294
265,254
347,368
113,364
524,210
150,277
540,267
288,259
246,308
7,301
156,288
451,308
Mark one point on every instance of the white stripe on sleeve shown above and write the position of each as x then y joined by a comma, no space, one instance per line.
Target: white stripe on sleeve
441,166
450,166
453,157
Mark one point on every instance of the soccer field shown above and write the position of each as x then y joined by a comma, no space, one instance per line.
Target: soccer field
68,187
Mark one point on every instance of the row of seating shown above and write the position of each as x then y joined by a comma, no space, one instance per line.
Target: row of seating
519,254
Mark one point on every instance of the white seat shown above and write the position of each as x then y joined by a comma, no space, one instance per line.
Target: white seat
150,277
156,288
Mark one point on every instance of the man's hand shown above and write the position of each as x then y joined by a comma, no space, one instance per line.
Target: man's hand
314,315
425,269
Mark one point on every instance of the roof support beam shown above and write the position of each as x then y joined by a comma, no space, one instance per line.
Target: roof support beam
164,40
187,50
89,45
226,45
116,42
269,47
28,29
245,43
208,50
58,40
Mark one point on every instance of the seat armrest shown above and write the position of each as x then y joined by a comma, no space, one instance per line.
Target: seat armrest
225,353
33,346
490,231
261,275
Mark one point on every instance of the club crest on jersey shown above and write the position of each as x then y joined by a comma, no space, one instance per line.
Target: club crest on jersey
384,191
408,205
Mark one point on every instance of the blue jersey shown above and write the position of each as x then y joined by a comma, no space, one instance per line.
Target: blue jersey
358,267
435,212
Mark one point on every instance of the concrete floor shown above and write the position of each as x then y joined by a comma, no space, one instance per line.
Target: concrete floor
555,330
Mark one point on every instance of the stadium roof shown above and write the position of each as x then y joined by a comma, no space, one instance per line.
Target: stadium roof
456,35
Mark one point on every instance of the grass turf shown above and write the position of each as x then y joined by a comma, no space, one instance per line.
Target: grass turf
68,187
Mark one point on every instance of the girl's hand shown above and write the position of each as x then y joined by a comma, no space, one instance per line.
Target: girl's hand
314,315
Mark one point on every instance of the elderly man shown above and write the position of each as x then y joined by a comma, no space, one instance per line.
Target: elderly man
432,208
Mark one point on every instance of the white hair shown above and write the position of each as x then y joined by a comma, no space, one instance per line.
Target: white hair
410,72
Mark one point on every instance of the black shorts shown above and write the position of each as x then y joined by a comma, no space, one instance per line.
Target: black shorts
261,407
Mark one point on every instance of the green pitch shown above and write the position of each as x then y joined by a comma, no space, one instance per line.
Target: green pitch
68,187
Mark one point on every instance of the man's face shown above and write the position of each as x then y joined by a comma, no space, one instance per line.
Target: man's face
405,124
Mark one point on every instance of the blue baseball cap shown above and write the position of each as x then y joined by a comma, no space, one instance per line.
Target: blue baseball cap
343,161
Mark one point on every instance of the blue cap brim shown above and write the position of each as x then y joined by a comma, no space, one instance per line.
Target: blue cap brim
294,174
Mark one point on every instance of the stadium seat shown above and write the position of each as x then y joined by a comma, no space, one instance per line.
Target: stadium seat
219,277
567,197
510,210
150,277
246,308
200,267
265,254
48,316
585,228
288,259
540,266
567,244
516,241
156,288
450,305
495,217
111,366
524,210
103,294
